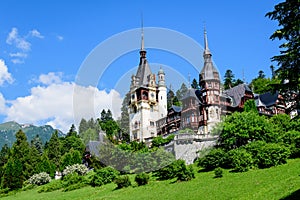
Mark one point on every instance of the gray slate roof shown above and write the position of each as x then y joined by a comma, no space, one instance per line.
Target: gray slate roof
236,93
143,72
267,99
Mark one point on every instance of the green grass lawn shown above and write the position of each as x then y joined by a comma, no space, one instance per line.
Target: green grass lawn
273,183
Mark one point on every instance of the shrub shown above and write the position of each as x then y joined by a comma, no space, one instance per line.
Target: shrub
218,172
40,179
104,176
241,160
291,139
80,169
272,154
71,179
178,170
52,186
122,181
74,187
215,158
142,179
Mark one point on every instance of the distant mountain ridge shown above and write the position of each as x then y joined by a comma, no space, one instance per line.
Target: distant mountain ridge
8,131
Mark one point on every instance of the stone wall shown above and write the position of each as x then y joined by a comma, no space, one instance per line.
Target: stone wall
188,147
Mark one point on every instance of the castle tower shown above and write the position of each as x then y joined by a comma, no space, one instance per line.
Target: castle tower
209,81
147,100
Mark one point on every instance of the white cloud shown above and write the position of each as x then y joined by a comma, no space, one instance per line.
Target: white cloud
2,104
21,43
59,37
61,104
17,61
18,55
50,78
36,33
5,76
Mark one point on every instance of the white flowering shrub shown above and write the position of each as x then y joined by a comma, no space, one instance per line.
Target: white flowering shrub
40,179
80,169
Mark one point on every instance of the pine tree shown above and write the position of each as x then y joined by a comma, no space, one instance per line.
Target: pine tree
228,79
21,152
13,177
38,144
54,149
195,84
83,126
182,91
124,121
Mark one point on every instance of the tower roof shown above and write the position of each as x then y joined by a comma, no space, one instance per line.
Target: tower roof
208,71
144,69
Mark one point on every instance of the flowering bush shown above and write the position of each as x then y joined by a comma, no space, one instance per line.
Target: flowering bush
80,169
40,179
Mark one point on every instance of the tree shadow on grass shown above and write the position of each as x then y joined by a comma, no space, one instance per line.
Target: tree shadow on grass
294,196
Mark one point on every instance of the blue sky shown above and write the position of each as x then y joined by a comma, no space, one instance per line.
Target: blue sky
43,44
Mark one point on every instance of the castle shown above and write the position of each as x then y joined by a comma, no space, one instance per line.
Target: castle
201,108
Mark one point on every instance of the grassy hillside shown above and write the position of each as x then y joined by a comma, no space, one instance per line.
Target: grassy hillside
273,183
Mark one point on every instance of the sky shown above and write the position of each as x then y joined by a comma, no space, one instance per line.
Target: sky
64,60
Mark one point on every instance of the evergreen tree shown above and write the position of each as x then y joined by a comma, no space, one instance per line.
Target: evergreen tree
54,149
45,165
288,16
195,84
13,177
83,126
261,74
70,158
182,91
72,131
38,144
228,79
124,121
170,96
4,155
21,152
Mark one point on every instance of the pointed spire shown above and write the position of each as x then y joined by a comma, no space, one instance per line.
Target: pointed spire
142,29
142,51
206,49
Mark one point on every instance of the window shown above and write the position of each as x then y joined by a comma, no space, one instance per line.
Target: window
209,85
151,108
151,123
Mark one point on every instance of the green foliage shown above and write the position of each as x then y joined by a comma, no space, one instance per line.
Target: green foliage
160,141
124,121
54,149
195,84
13,177
70,158
52,186
104,176
218,172
142,179
272,154
241,128
262,85
229,80
40,179
178,170
240,160
215,158
181,92
291,139
250,106
45,165
267,154
72,178
122,181
288,17
70,142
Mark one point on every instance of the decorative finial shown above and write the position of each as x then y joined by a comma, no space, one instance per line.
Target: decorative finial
142,29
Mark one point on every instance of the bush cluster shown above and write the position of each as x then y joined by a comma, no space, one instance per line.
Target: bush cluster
122,181
218,172
80,169
40,179
177,169
104,176
142,179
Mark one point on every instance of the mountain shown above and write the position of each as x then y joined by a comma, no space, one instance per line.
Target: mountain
9,129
